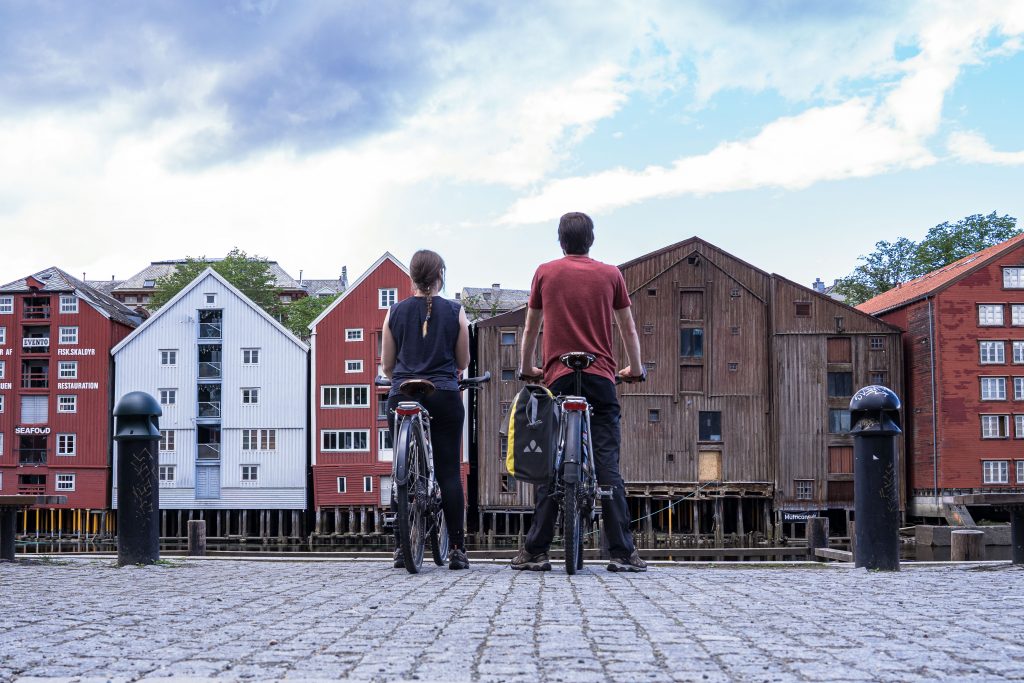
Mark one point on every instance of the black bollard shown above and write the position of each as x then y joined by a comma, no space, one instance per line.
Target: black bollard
874,418
1017,534
137,432
8,529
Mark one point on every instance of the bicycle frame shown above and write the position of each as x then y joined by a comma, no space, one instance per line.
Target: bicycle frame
416,416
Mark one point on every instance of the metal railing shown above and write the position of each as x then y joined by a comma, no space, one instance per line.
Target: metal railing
32,456
35,380
209,451
209,330
209,370
209,409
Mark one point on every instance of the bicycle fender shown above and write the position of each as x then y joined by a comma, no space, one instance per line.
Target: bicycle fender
401,466
571,462
571,472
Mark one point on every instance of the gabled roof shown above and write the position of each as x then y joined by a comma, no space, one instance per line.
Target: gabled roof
103,286
210,272
386,256
490,301
937,280
56,280
314,287
158,269
835,302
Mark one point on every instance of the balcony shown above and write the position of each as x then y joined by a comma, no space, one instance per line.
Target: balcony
209,451
209,370
210,330
35,311
31,489
35,379
32,456
209,409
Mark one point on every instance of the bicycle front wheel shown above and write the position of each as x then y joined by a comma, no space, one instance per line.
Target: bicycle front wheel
411,498
439,545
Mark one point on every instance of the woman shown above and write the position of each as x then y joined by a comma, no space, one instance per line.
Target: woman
427,337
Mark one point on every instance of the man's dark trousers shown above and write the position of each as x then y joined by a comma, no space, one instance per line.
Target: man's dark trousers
604,427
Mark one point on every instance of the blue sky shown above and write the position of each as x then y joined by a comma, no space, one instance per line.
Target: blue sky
792,134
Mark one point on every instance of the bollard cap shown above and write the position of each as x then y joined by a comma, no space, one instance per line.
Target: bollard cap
137,403
136,417
875,409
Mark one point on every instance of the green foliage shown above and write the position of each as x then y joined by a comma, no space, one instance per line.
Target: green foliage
478,308
304,311
893,263
250,274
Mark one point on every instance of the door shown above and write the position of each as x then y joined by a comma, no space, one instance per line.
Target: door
207,482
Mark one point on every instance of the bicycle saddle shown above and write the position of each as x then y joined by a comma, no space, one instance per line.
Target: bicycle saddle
416,387
577,360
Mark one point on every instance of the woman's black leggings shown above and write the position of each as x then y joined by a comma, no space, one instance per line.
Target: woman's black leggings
446,417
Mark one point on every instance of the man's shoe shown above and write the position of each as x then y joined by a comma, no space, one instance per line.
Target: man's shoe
633,563
457,559
533,563
399,559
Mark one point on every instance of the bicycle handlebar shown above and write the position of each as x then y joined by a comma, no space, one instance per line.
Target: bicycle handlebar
467,383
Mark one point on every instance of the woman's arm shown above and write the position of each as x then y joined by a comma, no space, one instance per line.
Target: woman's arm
388,352
462,343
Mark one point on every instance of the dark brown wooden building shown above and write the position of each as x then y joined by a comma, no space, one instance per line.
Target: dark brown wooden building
743,423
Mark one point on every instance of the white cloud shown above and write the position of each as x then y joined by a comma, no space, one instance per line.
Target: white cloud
974,148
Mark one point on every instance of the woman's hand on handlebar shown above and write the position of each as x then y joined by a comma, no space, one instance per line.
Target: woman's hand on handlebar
627,376
531,374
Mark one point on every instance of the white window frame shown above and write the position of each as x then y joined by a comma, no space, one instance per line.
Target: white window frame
66,406
993,388
168,358
64,481
3,368
1013,277
387,297
354,334
352,366
167,441
501,338
995,426
250,396
345,440
249,475
268,440
341,391
259,439
168,397
987,315
1017,348
167,474
1017,315
67,369
3,336
342,484
1018,388
68,303
385,453
1020,471
66,445
995,471
368,483
68,335
991,352
1018,426
210,298
1,443
6,305
251,353
1,403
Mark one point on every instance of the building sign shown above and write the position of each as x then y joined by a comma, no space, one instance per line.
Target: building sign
35,342
798,515
7,352
76,352
5,385
32,430
78,385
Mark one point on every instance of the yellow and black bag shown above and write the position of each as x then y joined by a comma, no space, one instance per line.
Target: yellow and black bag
532,433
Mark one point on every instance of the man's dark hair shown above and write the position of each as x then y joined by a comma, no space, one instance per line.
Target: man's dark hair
576,233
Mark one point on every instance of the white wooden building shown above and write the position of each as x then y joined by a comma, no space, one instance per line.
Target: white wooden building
232,383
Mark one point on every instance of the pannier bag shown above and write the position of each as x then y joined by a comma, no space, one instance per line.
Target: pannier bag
532,431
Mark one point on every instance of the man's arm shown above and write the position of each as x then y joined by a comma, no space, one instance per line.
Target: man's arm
630,340
528,350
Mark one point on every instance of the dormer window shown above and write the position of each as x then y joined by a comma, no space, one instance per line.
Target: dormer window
149,284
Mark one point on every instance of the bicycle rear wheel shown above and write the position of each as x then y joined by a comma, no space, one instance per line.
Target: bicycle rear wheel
439,543
571,500
410,499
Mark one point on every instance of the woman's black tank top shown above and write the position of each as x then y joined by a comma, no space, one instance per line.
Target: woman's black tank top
431,357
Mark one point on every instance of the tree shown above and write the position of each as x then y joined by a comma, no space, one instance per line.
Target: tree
893,263
304,311
250,274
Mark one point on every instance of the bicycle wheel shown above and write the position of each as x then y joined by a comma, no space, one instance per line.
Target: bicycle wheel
571,500
439,543
410,499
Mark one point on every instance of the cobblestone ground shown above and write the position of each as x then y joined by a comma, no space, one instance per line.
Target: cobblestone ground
85,619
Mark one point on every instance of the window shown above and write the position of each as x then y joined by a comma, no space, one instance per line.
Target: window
68,335
35,410
503,448
992,352
508,484
839,350
250,396
168,357
382,406
6,305
508,338
995,426
149,284
709,426
652,291
505,406
1018,388
250,474
1018,351
166,474
802,309
168,397
804,489
345,440
3,335
259,439
1018,426
995,471
1017,314
3,369
67,404
880,377
691,342
648,328
250,356
1,443
1013,278
840,384
286,298
367,484
353,366
65,482
838,421
654,415
66,444
68,304
166,440
354,335
341,484
1020,471
993,388
1,403
877,343
210,299
67,369
507,374
990,315
345,396
387,297
733,367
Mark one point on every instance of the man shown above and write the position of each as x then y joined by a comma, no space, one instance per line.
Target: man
577,298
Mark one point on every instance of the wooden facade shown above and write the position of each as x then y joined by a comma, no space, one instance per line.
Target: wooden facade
745,412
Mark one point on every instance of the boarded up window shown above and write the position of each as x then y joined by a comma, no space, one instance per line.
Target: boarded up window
691,305
839,350
709,466
709,425
691,378
803,309
840,460
840,491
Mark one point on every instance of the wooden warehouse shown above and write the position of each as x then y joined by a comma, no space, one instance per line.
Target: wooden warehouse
743,423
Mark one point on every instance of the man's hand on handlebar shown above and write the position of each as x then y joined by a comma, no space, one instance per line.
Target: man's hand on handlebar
627,375
531,374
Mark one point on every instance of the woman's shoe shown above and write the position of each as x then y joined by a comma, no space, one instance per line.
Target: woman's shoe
399,559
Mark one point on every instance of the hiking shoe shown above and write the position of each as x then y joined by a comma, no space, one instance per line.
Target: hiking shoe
399,559
533,563
457,559
633,563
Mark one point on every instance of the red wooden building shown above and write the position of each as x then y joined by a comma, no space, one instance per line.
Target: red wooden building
964,360
56,333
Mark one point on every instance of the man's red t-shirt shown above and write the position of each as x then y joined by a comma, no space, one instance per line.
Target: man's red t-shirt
578,296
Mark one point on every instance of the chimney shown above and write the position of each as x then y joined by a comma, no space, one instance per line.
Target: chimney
818,285
300,277
458,296
344,277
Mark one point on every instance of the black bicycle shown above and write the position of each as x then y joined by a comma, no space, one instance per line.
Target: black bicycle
415,493
574,485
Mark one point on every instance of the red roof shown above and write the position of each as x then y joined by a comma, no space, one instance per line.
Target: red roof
932,282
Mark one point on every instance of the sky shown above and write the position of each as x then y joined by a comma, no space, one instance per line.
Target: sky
794,135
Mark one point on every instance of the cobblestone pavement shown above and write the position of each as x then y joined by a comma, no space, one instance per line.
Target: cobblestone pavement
86,619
